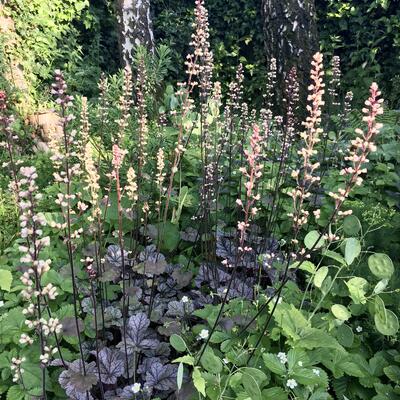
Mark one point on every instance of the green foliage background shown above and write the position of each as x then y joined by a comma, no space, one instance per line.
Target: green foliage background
80,37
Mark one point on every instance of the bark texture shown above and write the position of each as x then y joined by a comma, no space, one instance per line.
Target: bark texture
135,27
291,37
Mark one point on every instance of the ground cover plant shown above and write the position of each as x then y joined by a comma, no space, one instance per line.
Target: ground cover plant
178,244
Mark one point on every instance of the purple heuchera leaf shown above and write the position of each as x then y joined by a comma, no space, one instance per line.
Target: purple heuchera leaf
111,365
138,336
75,383
179,309
114,255
161,377
212,275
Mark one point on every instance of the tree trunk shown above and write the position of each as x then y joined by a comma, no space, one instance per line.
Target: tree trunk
135,27
290,34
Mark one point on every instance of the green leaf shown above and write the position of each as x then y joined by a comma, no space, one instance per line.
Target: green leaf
189,360
290,319
211,362
198,381
381,286
308,376
351,225
312,338
179,376
274,393
393,373
177,342
273,363
319,276
5,280
252,380
345,335
340,312
352,250
381,265
357,288
334,256
15,393
307,266
387,324
313,240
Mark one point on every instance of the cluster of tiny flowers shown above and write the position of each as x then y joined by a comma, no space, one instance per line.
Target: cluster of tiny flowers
334,82
92,179
51,326
6,122
16,368
291,383
125,103
131,187
270,86
292,89
310,138
361,146
201,45
160,166
282,357
31,231
143,130
252,174
118,158
48,352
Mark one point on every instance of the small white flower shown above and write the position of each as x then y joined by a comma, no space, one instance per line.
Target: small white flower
316,371
359,329
282,357
291,383
300,363
136,387
1,303
185,299
225,360
203,334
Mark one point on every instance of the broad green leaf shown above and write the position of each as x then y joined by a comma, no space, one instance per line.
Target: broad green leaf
334,256
252,380
313,240
312,338
295,356
393,373
177,342
198,381
357,288
290,319
273,363
340,312
15,393
387,324
319,276
5,280
307,266
274,393
351,225
310,376
211,362
352,250
345,335
381,265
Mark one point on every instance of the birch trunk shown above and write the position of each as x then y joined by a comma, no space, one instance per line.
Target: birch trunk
135,27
